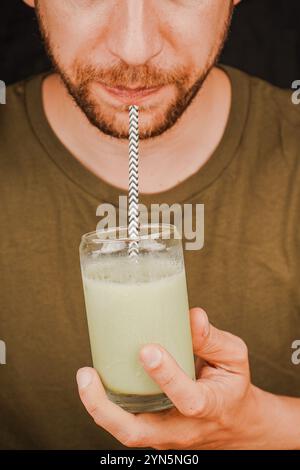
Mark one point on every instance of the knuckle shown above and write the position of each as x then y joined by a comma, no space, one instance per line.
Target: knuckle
193,409
238,348
241,353
93,410
168,379
127,440
133,440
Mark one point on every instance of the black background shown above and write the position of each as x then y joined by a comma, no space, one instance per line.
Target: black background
264,41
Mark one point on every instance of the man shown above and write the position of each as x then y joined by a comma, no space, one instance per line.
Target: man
210,135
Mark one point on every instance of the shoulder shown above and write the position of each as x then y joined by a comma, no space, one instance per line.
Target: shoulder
14,104
15,127
275,103
14,112
273,119
266,98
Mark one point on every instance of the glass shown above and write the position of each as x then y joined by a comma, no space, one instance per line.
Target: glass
131,302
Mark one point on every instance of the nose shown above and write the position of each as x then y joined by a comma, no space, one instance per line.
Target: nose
133,35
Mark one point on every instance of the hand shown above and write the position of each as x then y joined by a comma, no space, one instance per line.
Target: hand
220,410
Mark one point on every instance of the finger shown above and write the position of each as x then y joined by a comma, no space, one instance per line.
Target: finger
217,347
124,426
199,364
190,397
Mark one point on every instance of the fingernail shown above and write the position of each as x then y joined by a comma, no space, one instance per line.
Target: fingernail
151,356
84,378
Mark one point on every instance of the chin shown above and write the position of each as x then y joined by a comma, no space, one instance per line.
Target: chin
114,121
148,124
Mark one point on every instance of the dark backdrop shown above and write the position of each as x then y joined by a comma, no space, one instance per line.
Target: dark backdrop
264,41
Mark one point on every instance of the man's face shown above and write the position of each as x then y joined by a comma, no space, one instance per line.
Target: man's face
152,53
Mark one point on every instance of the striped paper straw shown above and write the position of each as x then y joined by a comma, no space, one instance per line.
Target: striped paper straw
133,209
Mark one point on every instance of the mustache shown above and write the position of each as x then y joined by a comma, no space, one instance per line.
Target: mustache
143,76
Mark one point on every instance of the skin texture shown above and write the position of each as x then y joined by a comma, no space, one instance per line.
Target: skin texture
102,55
221,410
141,43
112,34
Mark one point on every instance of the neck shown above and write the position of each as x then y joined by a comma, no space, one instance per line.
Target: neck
164,161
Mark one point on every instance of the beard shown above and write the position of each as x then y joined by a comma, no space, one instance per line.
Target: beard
81,77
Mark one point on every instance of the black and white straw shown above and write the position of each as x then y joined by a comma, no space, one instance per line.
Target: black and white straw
133,210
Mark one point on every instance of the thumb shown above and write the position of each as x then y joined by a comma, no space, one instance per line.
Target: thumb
217,347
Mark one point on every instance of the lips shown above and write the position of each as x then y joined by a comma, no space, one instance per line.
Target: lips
130,95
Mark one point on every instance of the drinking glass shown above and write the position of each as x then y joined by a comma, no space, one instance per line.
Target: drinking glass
132,301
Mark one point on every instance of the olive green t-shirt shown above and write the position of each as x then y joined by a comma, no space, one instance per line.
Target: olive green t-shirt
247,275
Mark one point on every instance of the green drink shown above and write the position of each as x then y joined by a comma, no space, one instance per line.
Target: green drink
131,303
